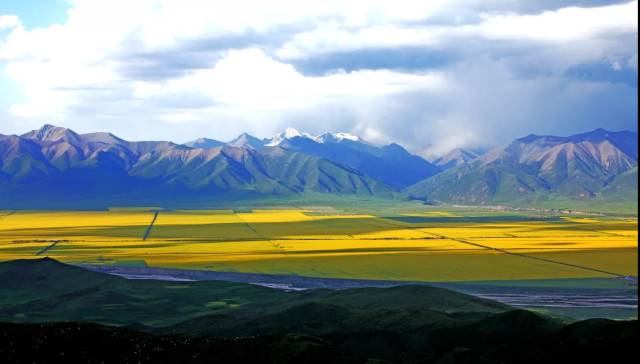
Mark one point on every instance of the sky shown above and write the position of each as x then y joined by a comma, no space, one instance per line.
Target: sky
430,75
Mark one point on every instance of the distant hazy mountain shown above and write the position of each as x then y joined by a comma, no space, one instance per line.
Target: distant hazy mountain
247,141
204,143
581,166
453,158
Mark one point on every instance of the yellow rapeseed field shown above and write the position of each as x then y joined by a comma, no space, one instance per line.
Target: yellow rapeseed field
430,245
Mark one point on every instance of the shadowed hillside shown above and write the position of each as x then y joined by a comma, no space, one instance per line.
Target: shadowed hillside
196,322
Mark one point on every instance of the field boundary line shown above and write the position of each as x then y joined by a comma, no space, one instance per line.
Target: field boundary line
260,236
153,221
537,258
7,214
611,234
48,247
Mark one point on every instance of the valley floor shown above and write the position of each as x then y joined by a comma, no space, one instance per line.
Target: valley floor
581,298
427,244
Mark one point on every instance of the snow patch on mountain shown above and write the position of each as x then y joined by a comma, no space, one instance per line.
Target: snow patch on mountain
290,133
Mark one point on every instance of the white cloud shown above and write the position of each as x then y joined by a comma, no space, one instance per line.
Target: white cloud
567,24
9,21
58,66
449,134
563,25
250,83
332,37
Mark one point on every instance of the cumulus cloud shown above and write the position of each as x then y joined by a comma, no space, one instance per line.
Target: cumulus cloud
562,25
431,75
251,80
558,26
9,21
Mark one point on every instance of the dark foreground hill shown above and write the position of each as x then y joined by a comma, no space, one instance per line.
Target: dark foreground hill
55,312
591,341
46,290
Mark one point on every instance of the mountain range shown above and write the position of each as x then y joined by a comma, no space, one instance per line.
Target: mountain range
53,164
583,166
390,164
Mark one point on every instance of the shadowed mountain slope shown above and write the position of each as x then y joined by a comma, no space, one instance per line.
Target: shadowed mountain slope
390,164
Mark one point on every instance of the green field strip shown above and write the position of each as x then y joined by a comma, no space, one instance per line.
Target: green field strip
258,234
539,258
504,251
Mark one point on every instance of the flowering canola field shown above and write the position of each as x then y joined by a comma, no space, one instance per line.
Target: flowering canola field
428,246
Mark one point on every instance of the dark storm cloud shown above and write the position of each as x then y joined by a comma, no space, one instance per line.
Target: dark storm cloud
487,107
192,54
402,59
603,72
533,7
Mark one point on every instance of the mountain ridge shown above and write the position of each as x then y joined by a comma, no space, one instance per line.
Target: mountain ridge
454,158
57,162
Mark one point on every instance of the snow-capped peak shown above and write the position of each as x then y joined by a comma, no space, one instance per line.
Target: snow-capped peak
337,137
290,133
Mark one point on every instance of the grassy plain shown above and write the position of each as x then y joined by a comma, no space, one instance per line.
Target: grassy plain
421,243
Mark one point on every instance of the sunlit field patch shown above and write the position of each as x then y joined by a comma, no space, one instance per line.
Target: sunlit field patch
78,225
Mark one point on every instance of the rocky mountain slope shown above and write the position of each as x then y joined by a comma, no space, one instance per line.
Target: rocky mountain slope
582,166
